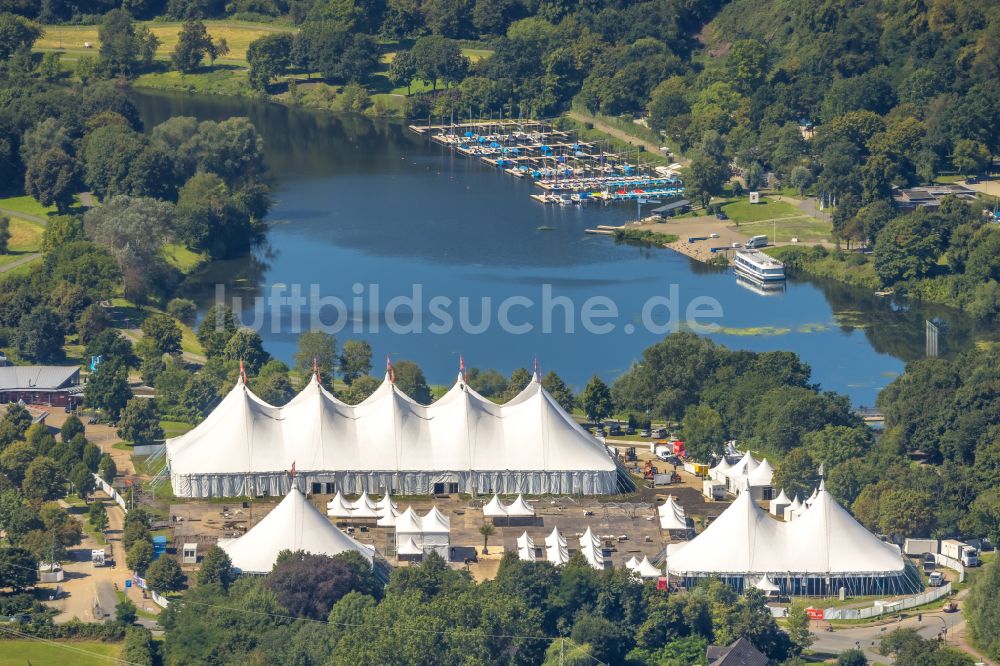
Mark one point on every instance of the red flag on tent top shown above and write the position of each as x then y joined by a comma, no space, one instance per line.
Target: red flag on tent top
389,369
461,366
292,470
243,371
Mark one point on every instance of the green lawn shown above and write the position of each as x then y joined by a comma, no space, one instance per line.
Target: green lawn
783,230
26,205
182,258
175,428
25,235
227,80
767,209
78,653
238,35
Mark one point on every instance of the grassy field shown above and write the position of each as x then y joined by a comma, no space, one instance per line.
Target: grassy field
25,235
238,35
227,80
182,258
767,209
26,205
78,653
175,428
783,230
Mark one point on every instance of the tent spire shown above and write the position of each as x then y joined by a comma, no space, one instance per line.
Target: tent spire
316,369
243,371
389,370
461,368
536,376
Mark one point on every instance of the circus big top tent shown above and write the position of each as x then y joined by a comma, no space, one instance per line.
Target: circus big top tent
822,550
390,443
294,524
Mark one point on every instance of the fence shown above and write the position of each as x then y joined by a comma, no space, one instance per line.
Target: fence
157,598
111,492
886,608
148,450
951,563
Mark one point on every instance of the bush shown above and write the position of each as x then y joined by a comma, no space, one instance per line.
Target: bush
183,310
858,259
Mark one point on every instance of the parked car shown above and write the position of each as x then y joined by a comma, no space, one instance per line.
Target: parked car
935,579
722,215
645,433
713,235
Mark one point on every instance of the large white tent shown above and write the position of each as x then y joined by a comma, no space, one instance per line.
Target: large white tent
390,443
822,550
294,524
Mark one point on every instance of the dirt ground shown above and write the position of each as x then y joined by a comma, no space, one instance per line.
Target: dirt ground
103,436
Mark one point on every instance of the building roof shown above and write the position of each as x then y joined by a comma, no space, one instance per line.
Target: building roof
673,205
37,377
294,524
740,653
388,432
822,540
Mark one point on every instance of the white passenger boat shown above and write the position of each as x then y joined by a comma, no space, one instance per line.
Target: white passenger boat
758,266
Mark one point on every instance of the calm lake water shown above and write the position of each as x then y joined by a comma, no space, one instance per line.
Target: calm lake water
361,203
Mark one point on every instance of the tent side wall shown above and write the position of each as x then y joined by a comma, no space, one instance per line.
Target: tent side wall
407,483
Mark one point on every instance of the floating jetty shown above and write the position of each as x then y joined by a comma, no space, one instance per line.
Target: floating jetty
568,170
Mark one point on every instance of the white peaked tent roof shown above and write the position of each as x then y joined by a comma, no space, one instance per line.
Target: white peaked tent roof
589,540
763,475
408,522
812,498
435,522
387,432
672,515
386,502
294,524
495,508
526,554
765,584
745,465
825,540
364,511
557,554
338,508
793,509
555,538
632,563
594,557
409,547
720,469
387,517
647,570
782,498
363,501
519,508
525,541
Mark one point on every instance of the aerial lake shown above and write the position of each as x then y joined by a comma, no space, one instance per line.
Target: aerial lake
367,210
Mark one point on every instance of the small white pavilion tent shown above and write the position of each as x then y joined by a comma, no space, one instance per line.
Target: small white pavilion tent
718,473
760,480
766,586
555,538
811,498
409,550
520,509
363,502
494,509
338,507
672,515
778,504
557,554
364,511
294,524
590,546
632,563
793,509
386,502
408,526
435,532
646,569
387,517
526,548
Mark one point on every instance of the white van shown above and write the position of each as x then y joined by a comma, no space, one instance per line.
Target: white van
755,242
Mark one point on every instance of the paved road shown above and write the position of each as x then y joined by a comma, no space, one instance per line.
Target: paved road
23,216
28,258
618,134
868,637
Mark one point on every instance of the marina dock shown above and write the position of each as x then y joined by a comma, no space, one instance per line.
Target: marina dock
568,170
